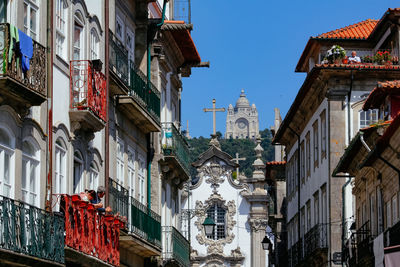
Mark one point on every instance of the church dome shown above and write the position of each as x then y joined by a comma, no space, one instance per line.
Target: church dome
242,102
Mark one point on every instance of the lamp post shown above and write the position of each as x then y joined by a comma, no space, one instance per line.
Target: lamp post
209,226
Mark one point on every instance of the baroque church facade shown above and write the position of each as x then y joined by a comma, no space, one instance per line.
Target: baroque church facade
237,206
242,120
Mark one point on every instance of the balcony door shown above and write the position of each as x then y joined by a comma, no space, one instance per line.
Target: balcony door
78,173
6,163
30,174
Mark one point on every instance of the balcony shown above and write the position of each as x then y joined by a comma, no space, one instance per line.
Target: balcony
136,97
394,235
316,241
90,233
143,223
87,97
29,234
360,246
175,150
176,247
19,89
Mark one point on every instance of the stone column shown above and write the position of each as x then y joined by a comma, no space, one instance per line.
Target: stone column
258,210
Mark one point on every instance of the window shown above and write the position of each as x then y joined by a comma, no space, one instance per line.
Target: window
131,172
78,173
120,162
302,161
94,176
119,28
324,207
388,214
394,210
217,213
368,117
315,143
3,11
323,134
316,208
308,154
142,177
130,44
60,167
6,163
31,18
308,205
372,213
61,30
303,222
78,40
379,209
30,174
94,44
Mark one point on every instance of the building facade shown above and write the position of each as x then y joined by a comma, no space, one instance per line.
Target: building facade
97,103
319,125
242,120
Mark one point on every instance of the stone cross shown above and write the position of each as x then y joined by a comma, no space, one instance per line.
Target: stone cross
214,110
237,159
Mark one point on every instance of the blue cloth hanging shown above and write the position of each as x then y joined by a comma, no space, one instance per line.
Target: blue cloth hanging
26,48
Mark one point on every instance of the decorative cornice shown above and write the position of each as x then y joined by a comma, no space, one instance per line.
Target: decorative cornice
217,259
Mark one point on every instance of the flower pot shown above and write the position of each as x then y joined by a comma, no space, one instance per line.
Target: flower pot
345,61
336,61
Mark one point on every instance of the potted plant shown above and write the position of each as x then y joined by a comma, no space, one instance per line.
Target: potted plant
335,54
368,59
383,57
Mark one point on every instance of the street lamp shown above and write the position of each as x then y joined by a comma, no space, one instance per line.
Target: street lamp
209,225
266,243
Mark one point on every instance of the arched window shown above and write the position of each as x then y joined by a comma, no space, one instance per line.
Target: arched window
6,163
217,213
30,173
94,176
78,37
78,173
60,167
94,44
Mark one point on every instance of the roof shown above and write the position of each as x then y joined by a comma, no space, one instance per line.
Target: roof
211,152
275,163
181,34
378,95
360,30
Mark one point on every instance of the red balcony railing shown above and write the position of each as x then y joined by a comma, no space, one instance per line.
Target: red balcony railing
88,88
91,232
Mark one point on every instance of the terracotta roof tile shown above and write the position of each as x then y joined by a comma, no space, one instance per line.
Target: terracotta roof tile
378,95
359,30
271,163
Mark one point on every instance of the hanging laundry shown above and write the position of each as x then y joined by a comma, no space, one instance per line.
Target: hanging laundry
26,48
14,41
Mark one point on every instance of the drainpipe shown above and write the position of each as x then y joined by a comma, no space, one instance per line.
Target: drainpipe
149,138
49,187
298,188
107,130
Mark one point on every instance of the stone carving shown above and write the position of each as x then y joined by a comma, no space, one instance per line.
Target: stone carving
236,253
215,246
258,224
215,173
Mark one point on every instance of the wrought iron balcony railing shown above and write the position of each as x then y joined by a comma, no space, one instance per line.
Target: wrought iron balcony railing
174,144
315,239
35,78
144,222
91,232
88,88
31,231
143,91
394,235
175,246
119,198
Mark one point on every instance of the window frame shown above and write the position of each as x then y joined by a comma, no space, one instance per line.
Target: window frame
9,150
30,159
315,145
78,158
120,171
61,15
217,209
308,155
31,5
94,44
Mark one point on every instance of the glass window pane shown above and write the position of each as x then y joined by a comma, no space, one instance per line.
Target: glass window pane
6,168
24,174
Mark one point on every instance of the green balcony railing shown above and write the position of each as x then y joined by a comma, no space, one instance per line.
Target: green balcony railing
118,62
144,222
119,198
144,91
174,144
31,231
175,246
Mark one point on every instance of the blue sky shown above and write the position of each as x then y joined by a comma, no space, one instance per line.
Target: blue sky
255,45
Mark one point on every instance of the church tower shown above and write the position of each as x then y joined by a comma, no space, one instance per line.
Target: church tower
242,120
